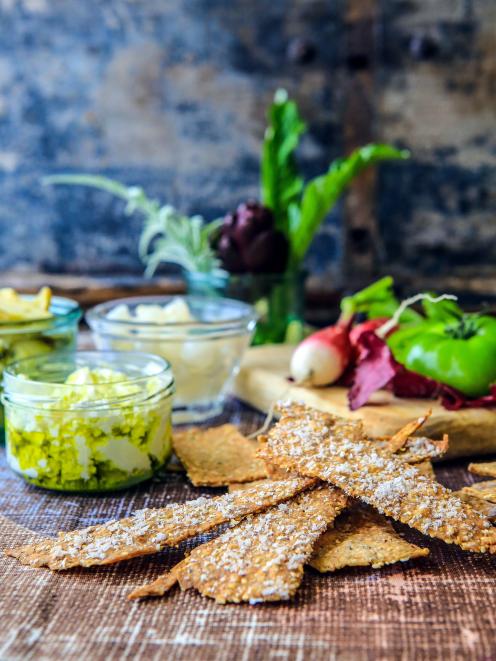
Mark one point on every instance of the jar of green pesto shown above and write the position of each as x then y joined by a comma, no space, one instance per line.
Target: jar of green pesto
88,421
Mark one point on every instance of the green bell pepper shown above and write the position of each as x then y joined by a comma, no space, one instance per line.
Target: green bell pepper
460,353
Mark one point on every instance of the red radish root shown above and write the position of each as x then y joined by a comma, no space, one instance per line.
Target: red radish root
322,358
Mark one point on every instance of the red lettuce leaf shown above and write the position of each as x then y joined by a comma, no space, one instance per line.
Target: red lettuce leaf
410,384
376,368
453,400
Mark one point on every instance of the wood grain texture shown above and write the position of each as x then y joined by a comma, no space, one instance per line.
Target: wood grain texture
89,290
443,606
263,380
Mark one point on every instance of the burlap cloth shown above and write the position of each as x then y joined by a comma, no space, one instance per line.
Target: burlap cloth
443,606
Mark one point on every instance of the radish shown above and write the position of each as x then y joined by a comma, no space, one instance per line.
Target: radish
322,357
370,325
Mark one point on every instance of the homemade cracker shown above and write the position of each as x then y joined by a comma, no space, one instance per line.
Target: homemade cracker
262,558
276,472
426,468
217,456
419,448
243,486
416,448
485,507
361,538
318,444
150,530
485,469
485,490
399,439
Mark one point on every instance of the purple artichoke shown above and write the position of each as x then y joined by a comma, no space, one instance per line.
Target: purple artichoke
250,243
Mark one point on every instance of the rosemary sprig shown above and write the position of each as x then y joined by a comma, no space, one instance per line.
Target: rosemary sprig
167,235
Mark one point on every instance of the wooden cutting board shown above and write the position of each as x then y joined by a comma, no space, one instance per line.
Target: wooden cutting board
262,380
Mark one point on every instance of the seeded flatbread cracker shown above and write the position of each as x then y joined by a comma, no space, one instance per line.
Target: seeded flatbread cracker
262,558
419,448
276,472
426,468
416,448
361,538
485,490
399,439
243,486
336,450
485,469
485,507
150,530
217,456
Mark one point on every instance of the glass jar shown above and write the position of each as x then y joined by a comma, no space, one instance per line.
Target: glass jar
88,421
23,339
277,298
205,353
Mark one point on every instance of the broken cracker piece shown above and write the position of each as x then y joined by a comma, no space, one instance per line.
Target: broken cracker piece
336,450
361,538
217,456
416,448
276,472
419,448
150,530
485,507
399,439
485,490
426,468
262,558
485,469
243,486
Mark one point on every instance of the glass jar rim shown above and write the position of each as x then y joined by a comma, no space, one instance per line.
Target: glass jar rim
98,320
292,275
64,310
35,393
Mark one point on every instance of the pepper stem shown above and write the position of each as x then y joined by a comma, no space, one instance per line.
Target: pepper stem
463,329
391,323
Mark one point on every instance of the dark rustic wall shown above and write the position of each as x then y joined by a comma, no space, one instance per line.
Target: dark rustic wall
437,93
171,96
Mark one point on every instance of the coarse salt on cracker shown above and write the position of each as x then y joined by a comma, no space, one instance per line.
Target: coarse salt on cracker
150,530
419,448
416,448
361,538
262,558
218,456
336,450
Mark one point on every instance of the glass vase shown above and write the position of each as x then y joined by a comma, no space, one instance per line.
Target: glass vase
277,298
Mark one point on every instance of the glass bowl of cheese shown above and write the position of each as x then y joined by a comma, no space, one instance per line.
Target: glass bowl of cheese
88,421
203,338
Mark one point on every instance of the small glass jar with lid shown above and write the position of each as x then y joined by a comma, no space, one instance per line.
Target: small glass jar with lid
22,339
88,421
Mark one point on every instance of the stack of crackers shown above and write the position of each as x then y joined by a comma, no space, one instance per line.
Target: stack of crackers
315,490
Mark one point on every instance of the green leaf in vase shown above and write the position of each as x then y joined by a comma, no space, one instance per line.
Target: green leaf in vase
280,182
321,193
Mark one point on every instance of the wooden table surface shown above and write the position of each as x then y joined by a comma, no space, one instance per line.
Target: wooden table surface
442,606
